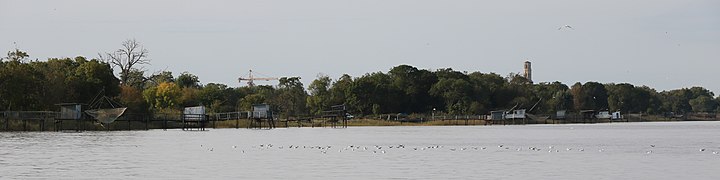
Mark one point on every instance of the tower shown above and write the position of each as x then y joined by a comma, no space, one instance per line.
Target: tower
528,71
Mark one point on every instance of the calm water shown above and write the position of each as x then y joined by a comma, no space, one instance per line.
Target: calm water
583,151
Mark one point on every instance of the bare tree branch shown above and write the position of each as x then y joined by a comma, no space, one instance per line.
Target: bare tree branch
127,57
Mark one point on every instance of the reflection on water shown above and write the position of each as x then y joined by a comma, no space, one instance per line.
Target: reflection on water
599,151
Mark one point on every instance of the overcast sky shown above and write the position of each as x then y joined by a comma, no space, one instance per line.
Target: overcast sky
664,44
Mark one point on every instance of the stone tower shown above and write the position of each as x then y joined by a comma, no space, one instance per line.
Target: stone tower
528,71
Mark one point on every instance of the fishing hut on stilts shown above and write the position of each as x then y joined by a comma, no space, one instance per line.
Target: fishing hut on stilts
102,109
336,115
194,118
69,112
261,114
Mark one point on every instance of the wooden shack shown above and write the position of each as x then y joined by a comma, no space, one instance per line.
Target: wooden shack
261,113
194,117
69,112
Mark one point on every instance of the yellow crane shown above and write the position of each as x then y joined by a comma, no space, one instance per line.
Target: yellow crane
250,79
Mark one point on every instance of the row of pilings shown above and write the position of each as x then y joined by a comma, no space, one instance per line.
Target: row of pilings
50,121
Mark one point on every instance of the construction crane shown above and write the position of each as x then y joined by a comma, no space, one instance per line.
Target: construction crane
250,79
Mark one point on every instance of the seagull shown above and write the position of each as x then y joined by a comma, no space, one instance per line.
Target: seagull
566,27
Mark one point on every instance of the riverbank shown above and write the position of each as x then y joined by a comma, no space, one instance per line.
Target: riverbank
88,125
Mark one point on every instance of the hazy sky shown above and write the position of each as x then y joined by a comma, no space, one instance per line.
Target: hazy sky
665,44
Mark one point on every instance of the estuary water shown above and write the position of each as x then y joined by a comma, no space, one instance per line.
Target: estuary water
671,150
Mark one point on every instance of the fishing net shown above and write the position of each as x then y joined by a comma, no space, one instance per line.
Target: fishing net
104,109
106,116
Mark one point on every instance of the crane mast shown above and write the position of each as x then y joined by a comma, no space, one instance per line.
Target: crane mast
251,79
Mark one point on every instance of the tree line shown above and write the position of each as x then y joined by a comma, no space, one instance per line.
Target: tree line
33,85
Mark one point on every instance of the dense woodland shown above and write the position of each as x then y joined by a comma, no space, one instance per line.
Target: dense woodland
37,85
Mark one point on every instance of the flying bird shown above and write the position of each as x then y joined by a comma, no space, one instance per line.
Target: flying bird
566,27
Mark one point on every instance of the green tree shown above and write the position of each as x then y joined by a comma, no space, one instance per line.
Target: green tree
93,77
246,102
319,98
703,104
165,95
291,97
491,90
188,80
552,97
455,93
220,98
133,99
412,86
20,86
589,96
155,79
677,101
370,93
17,55
340,90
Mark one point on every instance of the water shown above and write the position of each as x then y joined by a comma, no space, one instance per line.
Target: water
579,151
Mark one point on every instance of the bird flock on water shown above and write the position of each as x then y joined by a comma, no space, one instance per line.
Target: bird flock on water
401,148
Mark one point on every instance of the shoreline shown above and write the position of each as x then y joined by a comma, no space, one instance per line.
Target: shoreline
133,125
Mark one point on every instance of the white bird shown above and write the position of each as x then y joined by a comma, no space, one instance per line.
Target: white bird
566,27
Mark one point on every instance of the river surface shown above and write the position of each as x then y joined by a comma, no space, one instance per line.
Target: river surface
673,150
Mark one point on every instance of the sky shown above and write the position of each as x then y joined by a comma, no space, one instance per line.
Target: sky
663,44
